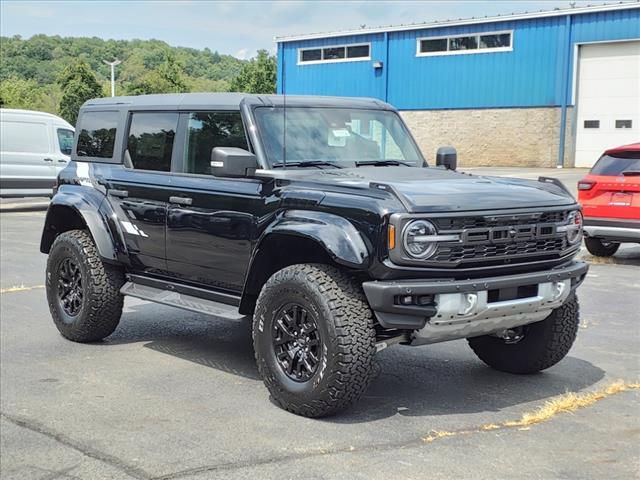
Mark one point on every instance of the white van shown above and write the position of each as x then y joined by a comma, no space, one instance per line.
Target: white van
34,147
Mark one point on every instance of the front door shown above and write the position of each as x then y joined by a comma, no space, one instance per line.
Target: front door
139,191
211,222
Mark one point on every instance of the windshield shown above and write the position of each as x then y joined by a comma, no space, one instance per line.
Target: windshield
340,137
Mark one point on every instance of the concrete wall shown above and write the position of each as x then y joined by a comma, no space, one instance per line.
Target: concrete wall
524,137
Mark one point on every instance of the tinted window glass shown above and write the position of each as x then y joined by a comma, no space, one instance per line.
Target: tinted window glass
333,53
97,134
150,141
208,130
463,43
358,51
65,140
499,40
311,55
592,124
27,137
436,45
622,162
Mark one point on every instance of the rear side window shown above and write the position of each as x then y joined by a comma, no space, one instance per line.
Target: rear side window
208,130
616,165
150,141
24,137
65,140
97,134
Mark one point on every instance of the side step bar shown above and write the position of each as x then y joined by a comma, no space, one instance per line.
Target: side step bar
174,298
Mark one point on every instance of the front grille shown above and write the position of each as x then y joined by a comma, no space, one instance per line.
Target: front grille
499,239
460,253
480,221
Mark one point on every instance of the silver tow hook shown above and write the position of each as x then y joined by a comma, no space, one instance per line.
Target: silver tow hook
511,335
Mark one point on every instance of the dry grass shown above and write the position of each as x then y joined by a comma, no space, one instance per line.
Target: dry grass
570,402
567,403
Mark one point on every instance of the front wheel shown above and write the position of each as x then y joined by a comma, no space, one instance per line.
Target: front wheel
314,339
82,291
542,344
600,248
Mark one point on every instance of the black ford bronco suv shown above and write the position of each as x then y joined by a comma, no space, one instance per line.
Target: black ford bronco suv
319,219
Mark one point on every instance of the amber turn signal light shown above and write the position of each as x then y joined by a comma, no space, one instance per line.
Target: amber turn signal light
391,237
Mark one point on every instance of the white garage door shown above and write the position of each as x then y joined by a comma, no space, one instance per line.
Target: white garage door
608,99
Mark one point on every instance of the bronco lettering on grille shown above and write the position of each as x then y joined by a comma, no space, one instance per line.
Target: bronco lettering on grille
508,234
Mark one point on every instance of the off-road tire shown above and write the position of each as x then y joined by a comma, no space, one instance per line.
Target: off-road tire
347,337
101,305
545,343
600,249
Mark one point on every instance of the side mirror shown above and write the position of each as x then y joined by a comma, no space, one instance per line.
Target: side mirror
233,162
447,157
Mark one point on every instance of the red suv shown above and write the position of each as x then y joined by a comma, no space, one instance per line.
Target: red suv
610,198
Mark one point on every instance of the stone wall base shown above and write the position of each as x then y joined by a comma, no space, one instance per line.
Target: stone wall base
497,137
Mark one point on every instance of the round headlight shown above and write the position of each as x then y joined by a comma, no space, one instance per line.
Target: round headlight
574,227
416,239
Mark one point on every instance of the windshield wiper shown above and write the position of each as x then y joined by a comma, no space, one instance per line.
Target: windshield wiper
310,163
382,163
631,173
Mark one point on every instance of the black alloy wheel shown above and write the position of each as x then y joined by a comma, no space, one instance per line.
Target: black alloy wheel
296,342
70,293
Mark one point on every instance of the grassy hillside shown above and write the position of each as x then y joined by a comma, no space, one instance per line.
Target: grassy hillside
30,67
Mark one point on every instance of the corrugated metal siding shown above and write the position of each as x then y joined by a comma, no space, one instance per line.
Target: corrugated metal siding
352,79
529,76
501,79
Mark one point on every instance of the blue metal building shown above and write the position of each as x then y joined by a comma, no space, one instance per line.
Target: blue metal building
436,72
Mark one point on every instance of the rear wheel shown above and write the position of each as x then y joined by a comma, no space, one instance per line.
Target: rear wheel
83,292
534,347
600,248
314,339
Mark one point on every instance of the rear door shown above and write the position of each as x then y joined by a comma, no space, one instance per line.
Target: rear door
26,156
616,187
211,220
140,189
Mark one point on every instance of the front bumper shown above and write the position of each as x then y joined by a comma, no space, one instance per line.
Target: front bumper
448,309
612,229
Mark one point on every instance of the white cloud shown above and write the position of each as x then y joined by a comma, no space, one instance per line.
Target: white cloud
242,53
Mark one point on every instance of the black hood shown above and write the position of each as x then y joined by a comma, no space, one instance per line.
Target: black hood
434,189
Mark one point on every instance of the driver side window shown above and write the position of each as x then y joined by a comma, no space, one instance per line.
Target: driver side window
207,130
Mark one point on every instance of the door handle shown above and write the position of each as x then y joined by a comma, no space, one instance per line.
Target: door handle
181,200
48,159
62,161
118,193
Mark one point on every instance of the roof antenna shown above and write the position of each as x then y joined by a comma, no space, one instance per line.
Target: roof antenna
284,111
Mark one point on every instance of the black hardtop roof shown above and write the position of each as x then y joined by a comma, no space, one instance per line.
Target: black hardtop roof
229,101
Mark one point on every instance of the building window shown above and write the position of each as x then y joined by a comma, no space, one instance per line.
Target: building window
591,124
457,44
334,53
624,123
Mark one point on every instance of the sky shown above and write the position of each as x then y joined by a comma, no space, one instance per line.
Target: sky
235,28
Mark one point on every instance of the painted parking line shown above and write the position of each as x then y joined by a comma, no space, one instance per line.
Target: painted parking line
21,288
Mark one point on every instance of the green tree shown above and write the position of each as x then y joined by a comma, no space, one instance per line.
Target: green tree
78,84
16,92
257,76
165,78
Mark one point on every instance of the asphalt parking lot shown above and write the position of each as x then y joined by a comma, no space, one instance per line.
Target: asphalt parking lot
176,395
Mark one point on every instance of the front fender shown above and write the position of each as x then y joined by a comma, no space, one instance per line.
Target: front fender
338,236
89,206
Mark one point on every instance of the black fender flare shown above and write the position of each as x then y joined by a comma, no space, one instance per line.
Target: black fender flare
337,235
339,239
95,213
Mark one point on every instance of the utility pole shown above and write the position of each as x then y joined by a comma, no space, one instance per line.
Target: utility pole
113,74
